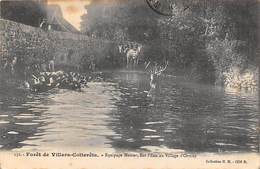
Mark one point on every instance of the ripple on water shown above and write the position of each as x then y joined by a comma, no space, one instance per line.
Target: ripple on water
25,114
155,122
27,124
12,132
149,130
33,138
117,137
133,107
131,140
38,120
24,117
226,144
4,122
3,115
153,136
168,131
33,102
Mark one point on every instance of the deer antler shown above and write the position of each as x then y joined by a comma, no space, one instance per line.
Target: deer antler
147,65
161,69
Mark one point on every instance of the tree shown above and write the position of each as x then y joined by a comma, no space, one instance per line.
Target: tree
214,33
132,20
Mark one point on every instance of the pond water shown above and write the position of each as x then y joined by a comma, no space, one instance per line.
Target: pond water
117,115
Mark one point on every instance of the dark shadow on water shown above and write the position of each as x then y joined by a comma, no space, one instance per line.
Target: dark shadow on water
20,111
184,116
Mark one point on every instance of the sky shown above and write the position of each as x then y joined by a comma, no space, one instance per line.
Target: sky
72,10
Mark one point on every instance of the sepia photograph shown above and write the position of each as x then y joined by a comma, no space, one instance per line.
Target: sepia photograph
155,80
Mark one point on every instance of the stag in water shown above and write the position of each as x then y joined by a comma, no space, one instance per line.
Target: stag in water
155,72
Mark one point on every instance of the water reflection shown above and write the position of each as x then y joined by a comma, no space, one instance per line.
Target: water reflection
118,115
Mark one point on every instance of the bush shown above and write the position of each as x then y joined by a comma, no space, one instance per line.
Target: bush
225,55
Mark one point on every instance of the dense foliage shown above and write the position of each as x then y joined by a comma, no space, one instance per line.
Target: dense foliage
203,39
